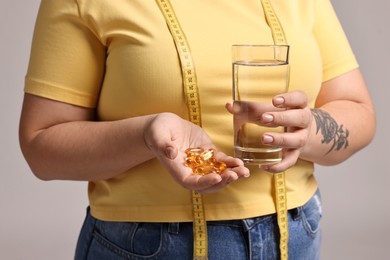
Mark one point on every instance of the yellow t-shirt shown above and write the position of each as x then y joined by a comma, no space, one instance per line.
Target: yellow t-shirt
119,57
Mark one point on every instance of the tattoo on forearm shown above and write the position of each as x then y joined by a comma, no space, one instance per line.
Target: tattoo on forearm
330,130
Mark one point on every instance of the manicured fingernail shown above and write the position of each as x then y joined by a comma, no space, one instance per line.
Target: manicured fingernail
267,139
278,101
236,108
267,118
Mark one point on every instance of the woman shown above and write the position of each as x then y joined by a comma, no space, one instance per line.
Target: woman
104,103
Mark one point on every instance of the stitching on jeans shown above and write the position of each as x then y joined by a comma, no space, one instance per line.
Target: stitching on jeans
126,254
307,226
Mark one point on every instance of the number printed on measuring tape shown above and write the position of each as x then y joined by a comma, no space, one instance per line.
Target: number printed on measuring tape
273,22
281,209
200,227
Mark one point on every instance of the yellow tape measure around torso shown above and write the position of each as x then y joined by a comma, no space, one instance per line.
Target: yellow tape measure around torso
281,210
192,98
193,104
279,178
187,64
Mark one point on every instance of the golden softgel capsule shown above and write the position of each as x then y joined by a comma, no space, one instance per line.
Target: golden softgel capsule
203,162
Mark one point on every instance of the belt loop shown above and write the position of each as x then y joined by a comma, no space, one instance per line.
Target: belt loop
248,223
296,213
173,228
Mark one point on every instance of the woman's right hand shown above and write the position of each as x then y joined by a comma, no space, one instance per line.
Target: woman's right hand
168,136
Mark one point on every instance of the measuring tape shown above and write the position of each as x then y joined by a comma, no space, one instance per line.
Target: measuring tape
273,21
192,98
187,64
281,211
279,178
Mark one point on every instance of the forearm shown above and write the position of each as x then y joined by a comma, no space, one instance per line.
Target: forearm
339,129
83,150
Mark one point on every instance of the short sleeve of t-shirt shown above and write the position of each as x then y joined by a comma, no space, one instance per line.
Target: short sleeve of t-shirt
67,59
336,53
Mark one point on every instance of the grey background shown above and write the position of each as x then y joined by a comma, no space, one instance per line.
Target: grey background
41,220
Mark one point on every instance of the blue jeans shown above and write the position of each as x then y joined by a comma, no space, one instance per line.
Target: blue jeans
253,238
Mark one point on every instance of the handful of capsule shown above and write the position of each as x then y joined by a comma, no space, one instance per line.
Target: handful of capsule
203,162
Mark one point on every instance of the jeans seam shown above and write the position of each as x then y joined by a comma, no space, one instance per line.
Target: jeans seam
127,254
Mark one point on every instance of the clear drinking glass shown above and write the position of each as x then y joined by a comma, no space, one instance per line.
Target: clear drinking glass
260,72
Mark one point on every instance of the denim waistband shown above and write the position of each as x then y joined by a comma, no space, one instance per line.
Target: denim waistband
247,223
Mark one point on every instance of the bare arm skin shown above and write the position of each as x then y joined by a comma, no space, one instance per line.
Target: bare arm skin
63,142
344,120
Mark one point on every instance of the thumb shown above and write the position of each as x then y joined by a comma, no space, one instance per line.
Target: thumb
229,107
162,146
166,147
170,152
160,136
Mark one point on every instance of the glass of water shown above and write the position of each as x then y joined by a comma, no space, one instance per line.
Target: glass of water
260,72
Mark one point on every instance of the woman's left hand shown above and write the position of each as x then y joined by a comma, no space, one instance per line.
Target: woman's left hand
297,119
